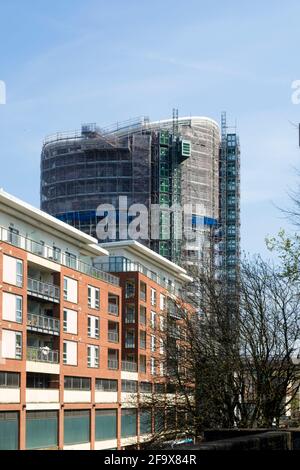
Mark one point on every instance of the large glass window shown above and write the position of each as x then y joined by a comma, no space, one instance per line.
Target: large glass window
129,386
106,385
145,422
106,425
77,383
9,380
76,426
129,420
9,430
41,429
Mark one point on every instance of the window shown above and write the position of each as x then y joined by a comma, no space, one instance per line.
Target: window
12,307
106,385
70,290
56,254
129,289
162,302
77,383
142,339
11,344
93,327
128,422
41,429
143,315
39,381
13,236
9,380
162,323
70,353
145,422
145,387
159,388
152,366
130,339
143,291
12,271
93,356
153,297
70,321
153,343
70,260
106,425
161,346
129,386
143,364
9,430
162,369
93,297
76,426
153,320
129,313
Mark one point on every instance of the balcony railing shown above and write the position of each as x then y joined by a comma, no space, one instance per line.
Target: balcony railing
42,322
117,264
129,366
43,355
43,289
129,318
113,336
60,257
113,309
129,344
113,364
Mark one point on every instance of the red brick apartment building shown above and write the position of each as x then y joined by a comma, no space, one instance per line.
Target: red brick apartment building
77,334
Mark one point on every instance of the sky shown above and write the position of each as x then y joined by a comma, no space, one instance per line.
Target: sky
69,62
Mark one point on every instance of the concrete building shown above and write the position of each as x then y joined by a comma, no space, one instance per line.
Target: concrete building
169,162
76,342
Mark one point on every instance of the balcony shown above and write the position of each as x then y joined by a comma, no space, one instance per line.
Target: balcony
43,324
113,336
113,364
49,253
113,309
43,290
43,355
129,366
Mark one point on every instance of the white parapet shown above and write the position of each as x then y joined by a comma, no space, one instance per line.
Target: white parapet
129,441
42,367
9,395
86,446
42,396
129,400
110,444
77,396
106,397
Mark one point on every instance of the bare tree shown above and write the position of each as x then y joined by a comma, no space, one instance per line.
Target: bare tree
230,361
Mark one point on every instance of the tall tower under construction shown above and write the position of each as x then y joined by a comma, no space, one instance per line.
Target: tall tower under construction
174,164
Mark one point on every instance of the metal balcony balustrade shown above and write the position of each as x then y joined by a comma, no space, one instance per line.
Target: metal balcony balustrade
43,289
37,322
42,355
128,366
122,264
130,318
113,364
113,336
56,256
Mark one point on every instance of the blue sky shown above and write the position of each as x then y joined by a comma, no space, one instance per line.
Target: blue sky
67,62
